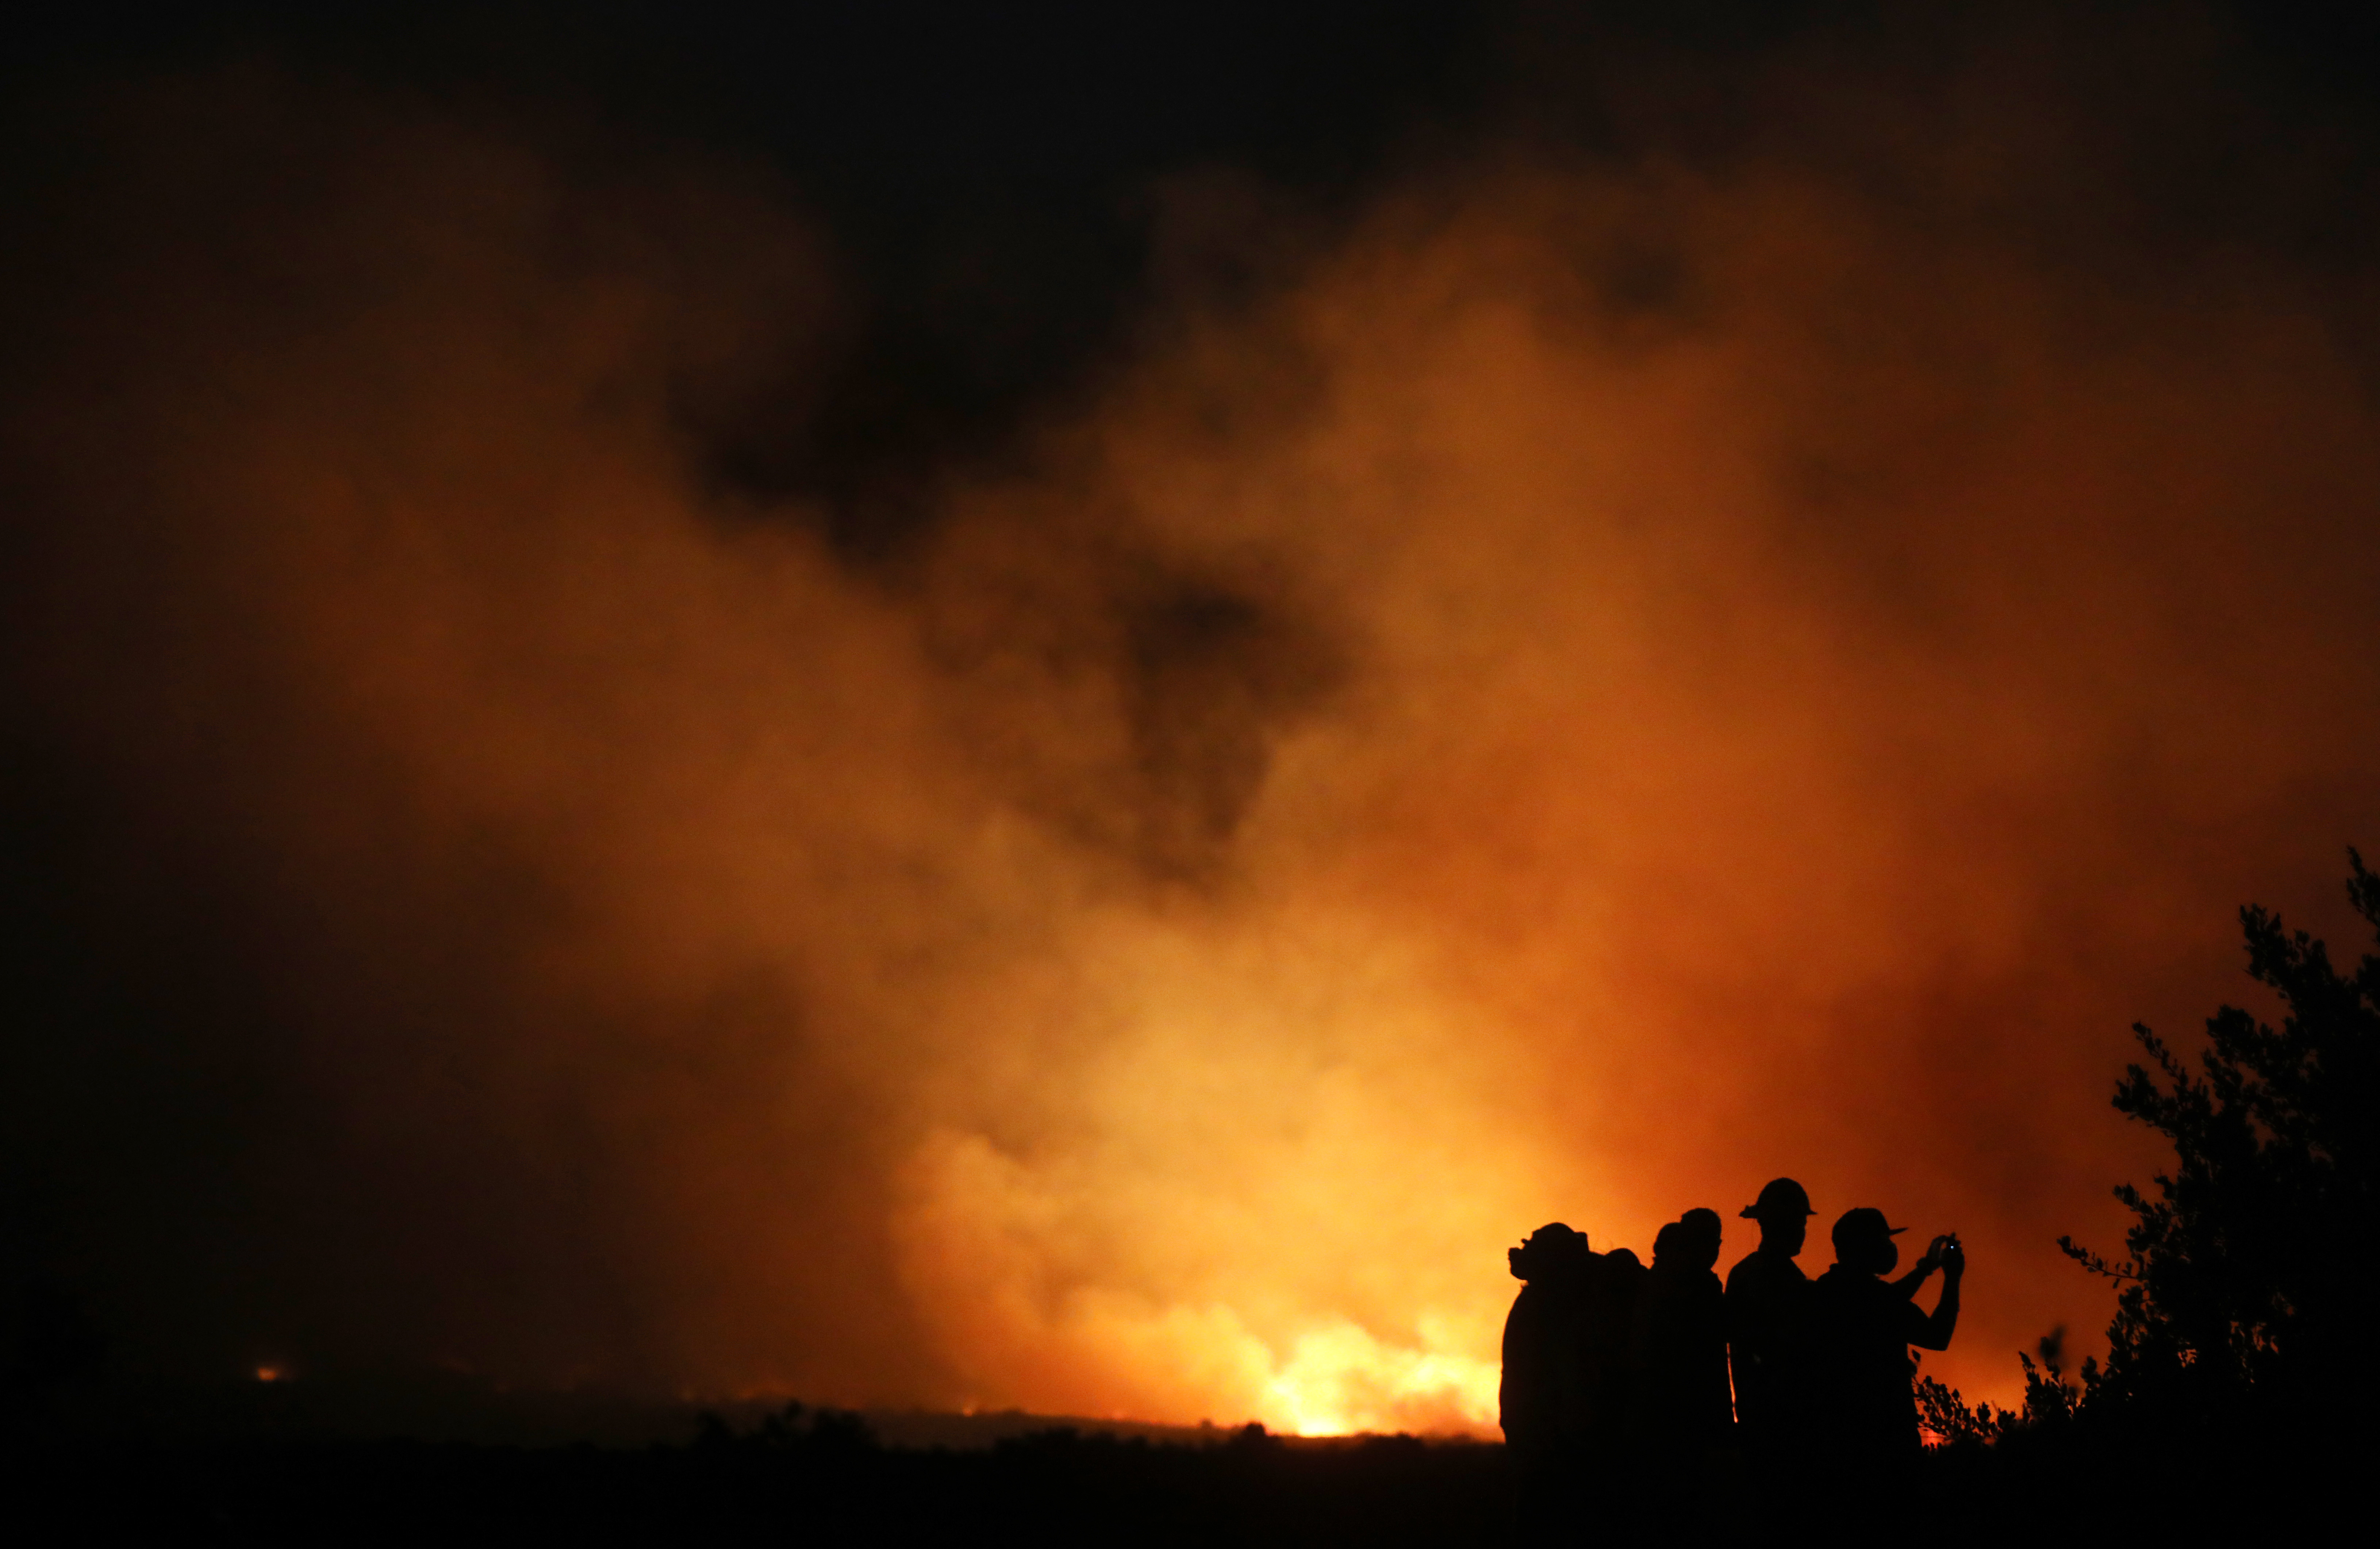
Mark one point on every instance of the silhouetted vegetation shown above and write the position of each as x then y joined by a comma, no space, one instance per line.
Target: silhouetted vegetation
2237,1379
2247,1262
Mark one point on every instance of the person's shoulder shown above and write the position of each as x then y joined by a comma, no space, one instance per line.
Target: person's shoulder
1756,1270
1537,1306
1839,1282
1851,1289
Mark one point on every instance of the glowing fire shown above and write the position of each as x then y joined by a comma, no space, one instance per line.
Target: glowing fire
272,1374
1280,1201
1342,1380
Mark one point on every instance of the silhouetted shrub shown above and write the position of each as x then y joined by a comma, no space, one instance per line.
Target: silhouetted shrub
2233,1401
2051,1405
2246,1264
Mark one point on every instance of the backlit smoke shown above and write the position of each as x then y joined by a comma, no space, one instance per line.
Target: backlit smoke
1611,681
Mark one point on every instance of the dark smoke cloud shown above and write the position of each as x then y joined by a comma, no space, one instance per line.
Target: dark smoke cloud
1656,652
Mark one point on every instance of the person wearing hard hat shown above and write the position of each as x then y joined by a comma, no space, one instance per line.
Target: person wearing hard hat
1767,1320
1863,1327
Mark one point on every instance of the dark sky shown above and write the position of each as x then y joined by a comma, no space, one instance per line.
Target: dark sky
984,170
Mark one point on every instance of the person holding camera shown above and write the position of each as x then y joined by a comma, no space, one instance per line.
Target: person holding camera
1865,1325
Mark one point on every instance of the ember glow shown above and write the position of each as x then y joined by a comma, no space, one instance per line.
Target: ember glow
1606,683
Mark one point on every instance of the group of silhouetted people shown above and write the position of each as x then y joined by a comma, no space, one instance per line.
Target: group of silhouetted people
1613,1369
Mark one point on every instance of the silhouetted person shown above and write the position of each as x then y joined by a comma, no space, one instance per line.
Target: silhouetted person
1865,1324
1768,1322
1541,1403
1681,1346
1614,1287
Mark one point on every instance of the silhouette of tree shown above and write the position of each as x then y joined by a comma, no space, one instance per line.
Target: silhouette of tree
2245,1265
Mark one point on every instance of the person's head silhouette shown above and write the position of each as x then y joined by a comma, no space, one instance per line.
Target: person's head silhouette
1551,1252
1863,1241
1783,1211
1701,1231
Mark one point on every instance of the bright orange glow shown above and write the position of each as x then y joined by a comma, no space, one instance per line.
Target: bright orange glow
270,1373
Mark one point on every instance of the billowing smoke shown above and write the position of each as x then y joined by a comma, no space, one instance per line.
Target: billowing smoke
1608,679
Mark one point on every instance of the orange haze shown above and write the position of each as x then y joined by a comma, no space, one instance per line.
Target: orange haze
1610,681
